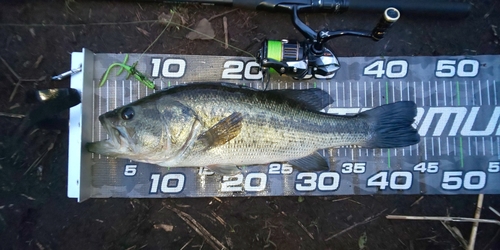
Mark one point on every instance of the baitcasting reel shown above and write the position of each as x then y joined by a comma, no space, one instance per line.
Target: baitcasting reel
310,58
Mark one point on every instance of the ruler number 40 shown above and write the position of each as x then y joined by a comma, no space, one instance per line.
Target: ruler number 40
391,69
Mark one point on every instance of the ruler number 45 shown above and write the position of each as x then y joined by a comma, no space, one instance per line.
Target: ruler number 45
494,166
427,167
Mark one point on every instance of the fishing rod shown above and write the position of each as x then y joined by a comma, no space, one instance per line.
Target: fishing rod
448,9
310,58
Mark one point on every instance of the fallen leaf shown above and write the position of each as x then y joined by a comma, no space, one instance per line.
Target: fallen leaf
203,31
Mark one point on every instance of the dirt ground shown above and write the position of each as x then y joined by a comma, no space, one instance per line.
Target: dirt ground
36,214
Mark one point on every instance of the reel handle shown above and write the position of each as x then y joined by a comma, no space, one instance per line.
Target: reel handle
391,15
445,9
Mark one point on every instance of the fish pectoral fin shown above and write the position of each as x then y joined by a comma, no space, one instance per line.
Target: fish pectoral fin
312,162
222,132
225,169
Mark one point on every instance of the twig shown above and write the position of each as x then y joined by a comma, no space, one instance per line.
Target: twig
305,229
187,243
19,79
28,197
11,115
40,158
221,221
18,83
341,199
477,214
455,219
417,201
367,220
10,69
456,234
494,211
216,244
226,39
492,240
357,202
221,14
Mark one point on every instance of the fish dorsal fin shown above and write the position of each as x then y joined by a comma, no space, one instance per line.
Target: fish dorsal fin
312,162
222,132
312,99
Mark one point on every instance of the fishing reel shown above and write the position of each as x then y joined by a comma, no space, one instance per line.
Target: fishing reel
310,58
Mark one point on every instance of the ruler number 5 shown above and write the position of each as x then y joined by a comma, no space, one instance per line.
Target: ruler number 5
130,170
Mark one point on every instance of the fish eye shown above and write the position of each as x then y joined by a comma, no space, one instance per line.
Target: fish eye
128,113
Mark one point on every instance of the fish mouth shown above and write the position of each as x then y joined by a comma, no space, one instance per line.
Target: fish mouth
115,145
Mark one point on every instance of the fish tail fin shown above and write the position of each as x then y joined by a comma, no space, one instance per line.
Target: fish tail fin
391,125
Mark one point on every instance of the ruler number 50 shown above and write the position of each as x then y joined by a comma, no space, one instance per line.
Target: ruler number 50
464,68
472,180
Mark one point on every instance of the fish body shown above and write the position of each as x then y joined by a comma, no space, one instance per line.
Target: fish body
221,126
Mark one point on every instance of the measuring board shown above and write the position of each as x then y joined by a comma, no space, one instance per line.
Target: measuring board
458,119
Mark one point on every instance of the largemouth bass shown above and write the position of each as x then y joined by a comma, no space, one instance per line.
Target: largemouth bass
222,126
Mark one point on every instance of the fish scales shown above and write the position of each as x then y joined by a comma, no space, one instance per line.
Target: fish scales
273,129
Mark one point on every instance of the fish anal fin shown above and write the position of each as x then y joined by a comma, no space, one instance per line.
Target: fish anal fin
312,162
